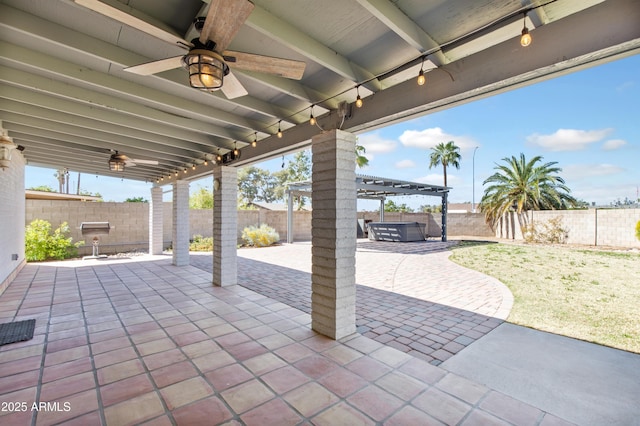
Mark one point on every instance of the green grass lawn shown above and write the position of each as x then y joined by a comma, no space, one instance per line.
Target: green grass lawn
591,295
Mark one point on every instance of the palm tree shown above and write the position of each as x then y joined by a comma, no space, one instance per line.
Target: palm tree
446,154
521,185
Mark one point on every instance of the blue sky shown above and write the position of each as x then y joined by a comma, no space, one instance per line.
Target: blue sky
588,122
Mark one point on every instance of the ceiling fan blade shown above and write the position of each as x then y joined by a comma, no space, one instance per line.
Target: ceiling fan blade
155,67
138,161
126,15
224,19
232,88
281,67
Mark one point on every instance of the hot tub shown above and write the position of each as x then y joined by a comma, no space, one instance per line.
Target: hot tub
396,231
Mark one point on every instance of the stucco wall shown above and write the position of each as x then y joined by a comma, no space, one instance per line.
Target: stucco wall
12,210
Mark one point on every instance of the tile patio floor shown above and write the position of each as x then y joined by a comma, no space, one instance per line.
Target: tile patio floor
144,342
409,296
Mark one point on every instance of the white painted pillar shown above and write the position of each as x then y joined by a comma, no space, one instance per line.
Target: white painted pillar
156,221
225,226
333,234
180,232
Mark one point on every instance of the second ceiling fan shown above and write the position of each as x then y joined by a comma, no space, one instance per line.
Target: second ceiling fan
207,62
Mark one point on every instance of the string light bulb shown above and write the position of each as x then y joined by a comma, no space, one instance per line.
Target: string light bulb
219,157
421,78
235,149
312,119
254,143
359,101
185,171
176,173
206,162
279,130
193,167
525,39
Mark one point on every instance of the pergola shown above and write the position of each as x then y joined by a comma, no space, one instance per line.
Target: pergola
374,188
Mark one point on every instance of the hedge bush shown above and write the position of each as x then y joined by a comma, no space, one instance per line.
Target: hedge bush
259,236
41,244
200,243
550,232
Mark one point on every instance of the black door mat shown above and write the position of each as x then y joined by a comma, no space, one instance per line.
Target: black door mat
18,331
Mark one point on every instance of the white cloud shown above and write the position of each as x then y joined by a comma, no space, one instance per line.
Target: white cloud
583,171
568,139
405,164
374,144
626,86
428,138
613,144
438,179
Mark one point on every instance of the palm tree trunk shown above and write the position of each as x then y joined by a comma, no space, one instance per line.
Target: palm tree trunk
444,167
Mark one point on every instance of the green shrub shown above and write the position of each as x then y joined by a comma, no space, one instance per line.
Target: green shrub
550,232
200,243
261,236
638,230
41,244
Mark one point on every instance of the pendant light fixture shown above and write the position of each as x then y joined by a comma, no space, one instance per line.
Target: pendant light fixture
279,130
525,39
235,149
421,78
359,101
254,143
312,119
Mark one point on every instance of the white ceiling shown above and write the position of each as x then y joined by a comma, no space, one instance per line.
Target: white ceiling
65,97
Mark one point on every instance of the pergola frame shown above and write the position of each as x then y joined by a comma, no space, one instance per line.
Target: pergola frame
373,188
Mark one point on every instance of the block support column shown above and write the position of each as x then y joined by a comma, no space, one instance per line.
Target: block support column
225,226
180,231
333,234
155,221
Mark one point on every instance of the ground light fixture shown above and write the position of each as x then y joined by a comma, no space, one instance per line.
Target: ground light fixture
525,39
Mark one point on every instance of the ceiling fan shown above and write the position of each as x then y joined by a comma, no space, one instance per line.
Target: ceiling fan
208,62
118,161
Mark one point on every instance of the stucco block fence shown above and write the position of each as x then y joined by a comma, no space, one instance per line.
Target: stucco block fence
130,223
593,227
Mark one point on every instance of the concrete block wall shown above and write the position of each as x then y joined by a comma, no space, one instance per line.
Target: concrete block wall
129,222
599,227
580,224
12,211
616,227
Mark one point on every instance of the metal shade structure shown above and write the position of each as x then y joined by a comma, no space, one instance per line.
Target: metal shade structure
374,188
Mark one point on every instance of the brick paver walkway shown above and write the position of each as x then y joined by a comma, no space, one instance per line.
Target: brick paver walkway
409,295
